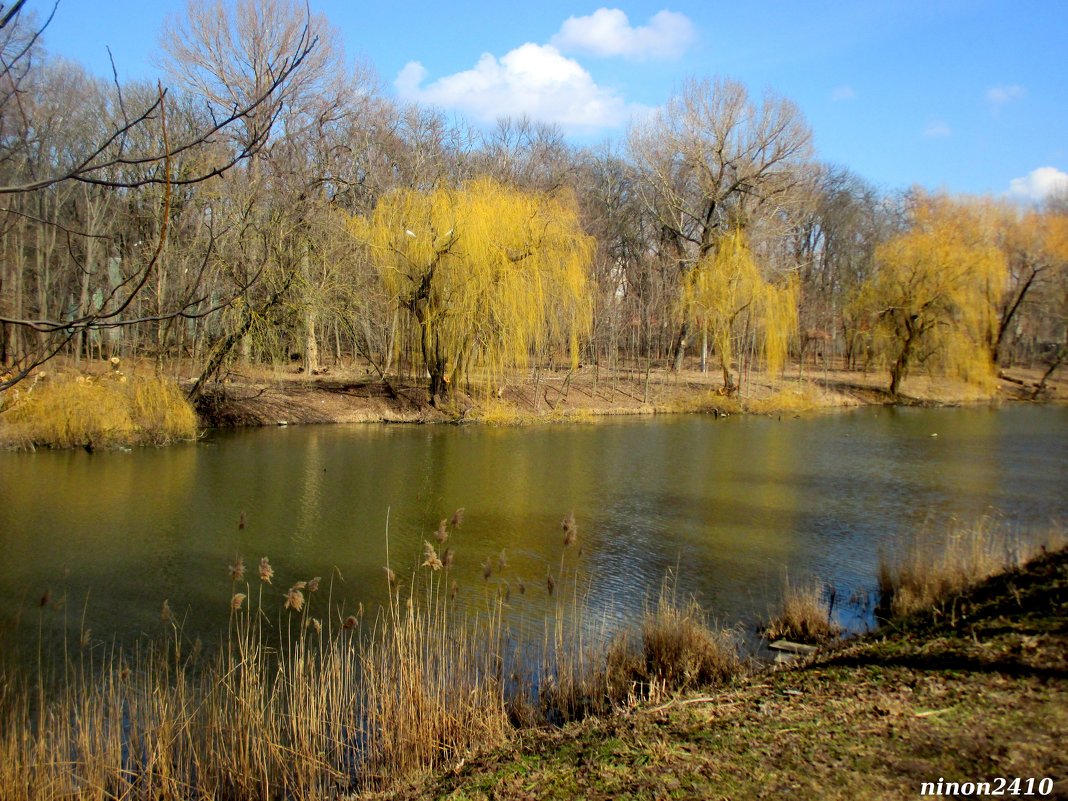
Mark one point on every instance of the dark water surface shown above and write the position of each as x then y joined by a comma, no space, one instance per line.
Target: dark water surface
733,503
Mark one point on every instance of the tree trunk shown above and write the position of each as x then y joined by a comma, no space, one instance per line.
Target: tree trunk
1058,359
311,342
900,366
433,359
680,344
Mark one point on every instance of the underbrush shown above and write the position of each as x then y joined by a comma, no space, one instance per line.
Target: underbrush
711,402
68,411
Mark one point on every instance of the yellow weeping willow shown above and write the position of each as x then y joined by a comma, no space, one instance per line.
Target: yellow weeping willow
489,274
730,301
933,298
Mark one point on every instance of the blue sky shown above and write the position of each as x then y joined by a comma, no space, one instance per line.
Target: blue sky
967,96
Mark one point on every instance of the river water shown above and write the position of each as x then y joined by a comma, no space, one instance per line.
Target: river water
100,541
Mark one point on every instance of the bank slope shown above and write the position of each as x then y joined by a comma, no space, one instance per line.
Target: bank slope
973,691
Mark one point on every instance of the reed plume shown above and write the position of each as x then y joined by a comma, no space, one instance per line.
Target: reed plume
442,533
237,569
458,517
570,530
295,598
430,557
266,571
236,601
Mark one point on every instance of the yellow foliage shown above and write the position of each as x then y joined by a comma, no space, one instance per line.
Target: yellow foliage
933,298
75,411
490,274
726,290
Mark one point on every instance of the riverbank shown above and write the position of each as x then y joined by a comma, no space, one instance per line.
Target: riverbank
59,407
351,396
975,690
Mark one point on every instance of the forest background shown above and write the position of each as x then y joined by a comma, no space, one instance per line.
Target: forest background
267,205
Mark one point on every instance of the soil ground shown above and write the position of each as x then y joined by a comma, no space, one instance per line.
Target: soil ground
348,394
972,691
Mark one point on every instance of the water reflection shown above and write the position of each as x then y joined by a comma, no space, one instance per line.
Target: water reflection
732,504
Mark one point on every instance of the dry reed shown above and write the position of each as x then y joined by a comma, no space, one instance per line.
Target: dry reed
803,617
933,569
322,702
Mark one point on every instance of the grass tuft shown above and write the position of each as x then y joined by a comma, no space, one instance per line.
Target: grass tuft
804,616
681,650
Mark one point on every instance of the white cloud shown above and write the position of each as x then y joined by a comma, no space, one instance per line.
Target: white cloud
937,129
608,32
532,80
1039,184
1000,95
840,94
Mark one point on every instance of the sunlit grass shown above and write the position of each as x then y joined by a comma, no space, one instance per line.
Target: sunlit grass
790,399
68,411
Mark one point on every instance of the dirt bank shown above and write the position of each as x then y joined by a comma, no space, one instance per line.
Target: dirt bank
349,395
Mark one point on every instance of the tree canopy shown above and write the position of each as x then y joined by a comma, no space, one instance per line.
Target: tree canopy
488,274
934,295
272,207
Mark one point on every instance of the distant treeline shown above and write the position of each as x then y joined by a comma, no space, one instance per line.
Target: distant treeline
273,206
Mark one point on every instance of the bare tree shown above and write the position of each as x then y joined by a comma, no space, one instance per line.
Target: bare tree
136,149
712,159
229,54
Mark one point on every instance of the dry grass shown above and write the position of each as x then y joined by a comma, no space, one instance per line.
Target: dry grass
706,402
934,568
804,617
793,399
672,649
681,650
69,411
